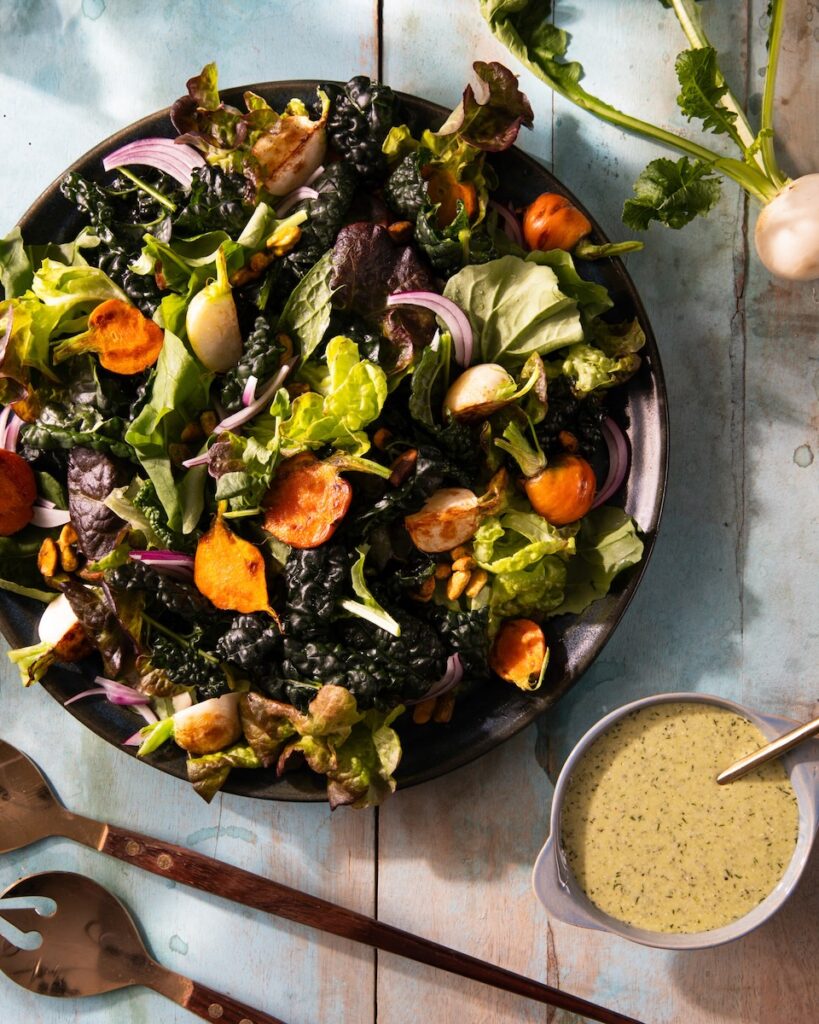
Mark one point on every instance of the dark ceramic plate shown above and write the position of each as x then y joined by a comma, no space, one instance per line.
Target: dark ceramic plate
490,716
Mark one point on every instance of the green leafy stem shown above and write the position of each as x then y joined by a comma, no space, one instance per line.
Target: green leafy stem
525,28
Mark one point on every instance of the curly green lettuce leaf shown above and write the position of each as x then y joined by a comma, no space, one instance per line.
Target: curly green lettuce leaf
515,540
672,193
69,288
607,543
16,271
589,368
537,589
351,395
243,468
210,772
179,394
363,774
515,307
27,348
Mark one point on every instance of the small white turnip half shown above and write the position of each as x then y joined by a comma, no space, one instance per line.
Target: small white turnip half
61,629
208,726
479,391
787,231
213,324
449,518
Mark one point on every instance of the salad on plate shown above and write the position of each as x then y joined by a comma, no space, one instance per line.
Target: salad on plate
305,433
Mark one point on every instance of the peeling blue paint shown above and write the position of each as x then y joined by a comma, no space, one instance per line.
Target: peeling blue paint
214,832
178,945
93,9
803,456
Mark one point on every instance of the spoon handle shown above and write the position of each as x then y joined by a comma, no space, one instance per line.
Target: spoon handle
214,1006
771,750
210,875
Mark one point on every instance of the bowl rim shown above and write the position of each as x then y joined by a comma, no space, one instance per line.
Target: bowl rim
803,777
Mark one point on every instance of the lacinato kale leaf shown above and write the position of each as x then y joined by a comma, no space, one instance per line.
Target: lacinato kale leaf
406,189
325,216
361,115
217,201
186,666
261,355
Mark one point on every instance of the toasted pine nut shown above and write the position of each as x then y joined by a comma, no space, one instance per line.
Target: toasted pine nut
208,421
442,570
283,239
48,557
191,432
477,582
68,557
444,706
464,564
568,440
381,438
462,551
403,466
456,585
423,712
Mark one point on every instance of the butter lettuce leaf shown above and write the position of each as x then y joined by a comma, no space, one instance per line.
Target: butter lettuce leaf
515,307
539,588
589,368
607,543
210,772
515,540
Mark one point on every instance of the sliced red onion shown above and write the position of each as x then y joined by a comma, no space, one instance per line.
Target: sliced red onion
117,693
294,198
317,173
135,740
12,432
4,419
618,460
147,713
454,318
173,562
197,460
511,225
255,407
453,674
177,160
49,517
249,393
45,503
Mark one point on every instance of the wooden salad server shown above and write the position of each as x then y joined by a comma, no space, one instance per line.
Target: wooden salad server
90,945
30,811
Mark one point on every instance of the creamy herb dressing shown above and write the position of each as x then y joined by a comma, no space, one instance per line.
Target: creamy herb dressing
655,842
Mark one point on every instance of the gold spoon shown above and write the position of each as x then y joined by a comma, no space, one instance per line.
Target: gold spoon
771,750
90,945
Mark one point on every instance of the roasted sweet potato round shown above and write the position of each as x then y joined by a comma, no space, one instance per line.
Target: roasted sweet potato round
518,652
306,501
564,491
18,490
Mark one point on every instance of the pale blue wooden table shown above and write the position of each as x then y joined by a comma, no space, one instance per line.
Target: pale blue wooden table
729,603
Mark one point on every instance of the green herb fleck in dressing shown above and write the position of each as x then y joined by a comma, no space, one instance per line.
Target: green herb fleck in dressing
655,842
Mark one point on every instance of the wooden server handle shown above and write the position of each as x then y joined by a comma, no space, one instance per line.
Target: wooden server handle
221,1009
210,875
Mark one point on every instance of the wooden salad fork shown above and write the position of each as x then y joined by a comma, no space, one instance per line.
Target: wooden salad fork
30,811
91,945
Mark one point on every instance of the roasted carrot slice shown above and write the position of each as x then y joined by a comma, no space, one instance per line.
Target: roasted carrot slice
306,502
18,489
444,188
518,653
230,571
125,341
564,491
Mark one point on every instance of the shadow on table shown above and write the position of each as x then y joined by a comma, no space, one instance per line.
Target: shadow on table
774,966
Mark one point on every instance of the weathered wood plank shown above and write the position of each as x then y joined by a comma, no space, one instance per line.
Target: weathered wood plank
690,626
69,76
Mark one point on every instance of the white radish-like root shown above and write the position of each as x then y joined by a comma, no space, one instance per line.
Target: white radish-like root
209,726
61,629
474,395
449,518
787,231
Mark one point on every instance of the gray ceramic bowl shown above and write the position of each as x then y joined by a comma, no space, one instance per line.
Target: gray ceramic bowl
560,893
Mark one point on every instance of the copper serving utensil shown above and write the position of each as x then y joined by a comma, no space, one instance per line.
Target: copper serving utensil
91,945
776,748
30,811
